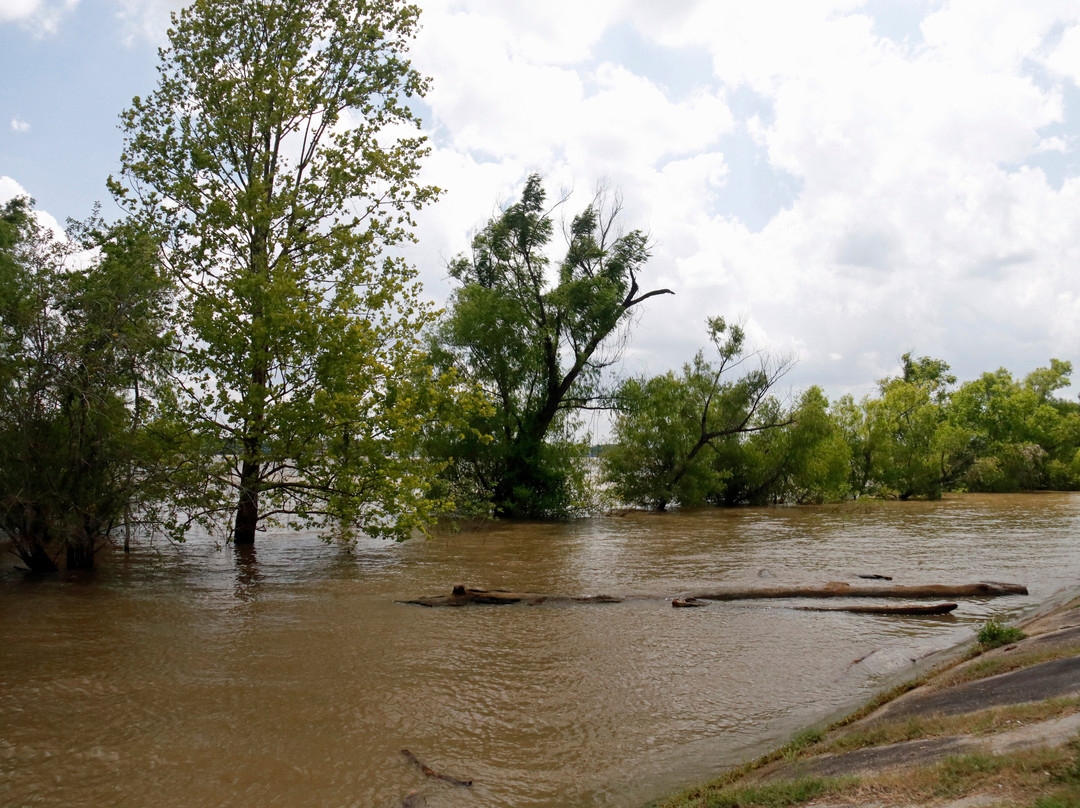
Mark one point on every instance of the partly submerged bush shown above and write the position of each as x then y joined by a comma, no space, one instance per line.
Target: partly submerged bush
994,634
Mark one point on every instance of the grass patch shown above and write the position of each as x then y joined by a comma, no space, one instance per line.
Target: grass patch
982,668
880,699
1022,779
962,773
994,634
985,722
766,795
801,742
1041,778
1065,789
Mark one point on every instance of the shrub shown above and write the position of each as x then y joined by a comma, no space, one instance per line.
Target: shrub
994,634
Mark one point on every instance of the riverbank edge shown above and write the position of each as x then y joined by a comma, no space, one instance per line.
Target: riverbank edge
785,775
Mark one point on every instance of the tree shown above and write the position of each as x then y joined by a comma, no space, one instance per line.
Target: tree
279,156
666,423
83,349
806,460
902,443
1023,437
537,341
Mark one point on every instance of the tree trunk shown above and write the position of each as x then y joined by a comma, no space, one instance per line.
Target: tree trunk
247,508
80,555
31,541
34,555
837,589
905,609
464,596
523,486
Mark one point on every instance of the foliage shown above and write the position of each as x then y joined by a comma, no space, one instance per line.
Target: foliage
82,353
1023,437
903,444
655,434
535,338
278,155
994,633
666,424
803,460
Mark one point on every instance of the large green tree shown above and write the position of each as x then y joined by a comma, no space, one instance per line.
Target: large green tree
903,443
536,335
805,460
670,427
1022,435
279,155
83,351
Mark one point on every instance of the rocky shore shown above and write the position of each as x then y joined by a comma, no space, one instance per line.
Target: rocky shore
985,727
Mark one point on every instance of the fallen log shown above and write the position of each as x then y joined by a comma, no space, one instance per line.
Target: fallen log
432,773
839,589
905,608
463,596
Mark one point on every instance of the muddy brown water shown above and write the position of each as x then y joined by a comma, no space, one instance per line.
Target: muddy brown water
183,677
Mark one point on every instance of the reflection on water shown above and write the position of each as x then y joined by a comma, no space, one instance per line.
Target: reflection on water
248,575
288,675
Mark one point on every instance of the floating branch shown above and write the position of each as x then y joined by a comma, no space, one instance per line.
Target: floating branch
432,773
461,596
686,603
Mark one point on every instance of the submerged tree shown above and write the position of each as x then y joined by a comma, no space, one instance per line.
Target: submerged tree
805,460
279,155
83,349
670,426
1023,437
903,443
536,338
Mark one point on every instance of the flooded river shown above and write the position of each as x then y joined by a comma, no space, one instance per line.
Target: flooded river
189,677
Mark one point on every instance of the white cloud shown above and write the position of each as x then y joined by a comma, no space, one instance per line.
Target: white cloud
1065,58
555,32
910,214
146,20
41,16
19,125
914,227
10,188
907,211
18,9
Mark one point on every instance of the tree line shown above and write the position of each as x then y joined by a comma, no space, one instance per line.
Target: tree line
697,439
245,346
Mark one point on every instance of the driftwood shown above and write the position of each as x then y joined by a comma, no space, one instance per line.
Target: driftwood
903,608
462,596
432,773
838,589
863,657
875,577
687,603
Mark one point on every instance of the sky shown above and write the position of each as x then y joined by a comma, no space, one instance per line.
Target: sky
852,180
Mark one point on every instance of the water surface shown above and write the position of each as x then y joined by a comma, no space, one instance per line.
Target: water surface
189,677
